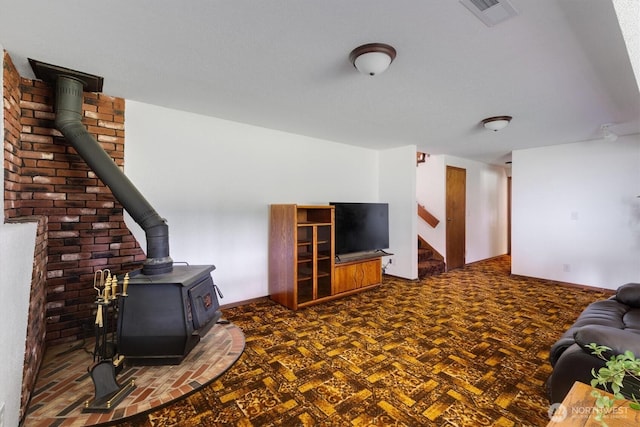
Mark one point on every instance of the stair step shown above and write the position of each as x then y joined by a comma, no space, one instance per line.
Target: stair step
424,254
429,262
430,268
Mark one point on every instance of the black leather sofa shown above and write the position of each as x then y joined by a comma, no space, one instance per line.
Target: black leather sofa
614,322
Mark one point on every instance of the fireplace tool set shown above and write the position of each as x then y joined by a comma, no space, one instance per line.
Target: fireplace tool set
107,363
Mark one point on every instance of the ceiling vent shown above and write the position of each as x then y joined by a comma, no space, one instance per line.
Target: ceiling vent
491,12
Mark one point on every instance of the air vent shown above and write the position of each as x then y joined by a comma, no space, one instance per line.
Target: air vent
490,12
484,4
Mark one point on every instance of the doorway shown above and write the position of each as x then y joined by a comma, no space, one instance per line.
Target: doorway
509,215
456,216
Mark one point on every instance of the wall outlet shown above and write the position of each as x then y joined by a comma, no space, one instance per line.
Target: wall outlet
390,260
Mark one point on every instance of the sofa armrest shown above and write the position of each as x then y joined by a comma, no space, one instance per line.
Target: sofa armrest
575,364
629,294
559,348
618,340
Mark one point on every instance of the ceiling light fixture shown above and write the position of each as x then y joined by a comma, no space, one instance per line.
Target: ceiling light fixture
372,58
496,123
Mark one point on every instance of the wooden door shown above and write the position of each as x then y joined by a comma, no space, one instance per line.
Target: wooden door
456,213
509,215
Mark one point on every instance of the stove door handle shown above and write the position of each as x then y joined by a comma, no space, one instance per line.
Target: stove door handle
218,290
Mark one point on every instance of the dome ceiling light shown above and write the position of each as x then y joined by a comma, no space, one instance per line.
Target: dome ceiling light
496,123
372,58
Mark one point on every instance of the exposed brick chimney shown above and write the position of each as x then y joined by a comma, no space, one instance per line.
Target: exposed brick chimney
81,225
44,176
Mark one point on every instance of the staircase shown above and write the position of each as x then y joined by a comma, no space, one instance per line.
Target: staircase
430,262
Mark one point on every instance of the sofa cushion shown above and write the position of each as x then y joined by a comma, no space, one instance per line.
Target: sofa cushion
629,294
631,320
618,340
609,313
606,313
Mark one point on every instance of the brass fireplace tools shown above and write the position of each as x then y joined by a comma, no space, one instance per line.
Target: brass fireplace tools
107,363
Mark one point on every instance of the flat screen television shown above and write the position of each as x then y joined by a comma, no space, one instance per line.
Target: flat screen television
361,227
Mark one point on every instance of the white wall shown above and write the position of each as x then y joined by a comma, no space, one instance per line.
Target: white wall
2,125
398,188
17,242
486,206
576,212
214,179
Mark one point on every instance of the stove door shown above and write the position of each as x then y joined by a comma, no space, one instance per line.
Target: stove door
205,308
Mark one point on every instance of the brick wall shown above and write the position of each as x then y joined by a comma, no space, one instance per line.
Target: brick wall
86,229
81,226
12,160
44,176
36,327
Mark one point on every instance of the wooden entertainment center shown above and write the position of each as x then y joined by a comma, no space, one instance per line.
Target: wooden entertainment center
303,269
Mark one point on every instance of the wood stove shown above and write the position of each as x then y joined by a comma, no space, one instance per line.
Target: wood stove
164,315
168,307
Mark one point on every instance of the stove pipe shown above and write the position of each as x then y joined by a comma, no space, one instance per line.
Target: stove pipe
68,107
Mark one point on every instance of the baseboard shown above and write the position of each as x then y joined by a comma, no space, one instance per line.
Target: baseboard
244,302
571,285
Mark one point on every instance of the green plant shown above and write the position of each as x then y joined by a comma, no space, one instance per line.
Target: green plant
611,377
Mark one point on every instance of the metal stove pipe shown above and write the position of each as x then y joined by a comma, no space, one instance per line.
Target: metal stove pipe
68,105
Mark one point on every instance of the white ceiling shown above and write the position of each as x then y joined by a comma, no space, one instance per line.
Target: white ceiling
560,67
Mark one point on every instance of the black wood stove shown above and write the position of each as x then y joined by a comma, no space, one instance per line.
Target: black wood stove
162,309
164,315
168,307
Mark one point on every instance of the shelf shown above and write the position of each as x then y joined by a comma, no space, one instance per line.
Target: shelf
301,258
304,257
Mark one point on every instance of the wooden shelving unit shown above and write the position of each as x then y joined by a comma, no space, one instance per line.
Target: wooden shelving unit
301,254
302,266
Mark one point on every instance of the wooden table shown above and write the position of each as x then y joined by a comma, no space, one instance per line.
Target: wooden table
578,410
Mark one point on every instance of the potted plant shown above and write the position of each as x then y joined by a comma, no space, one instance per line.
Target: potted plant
620,376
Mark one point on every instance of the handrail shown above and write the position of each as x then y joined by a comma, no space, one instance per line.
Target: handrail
427,216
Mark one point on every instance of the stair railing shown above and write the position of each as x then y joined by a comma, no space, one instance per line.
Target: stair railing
427,216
